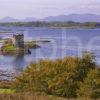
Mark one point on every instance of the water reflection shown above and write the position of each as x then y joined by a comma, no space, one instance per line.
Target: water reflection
18,62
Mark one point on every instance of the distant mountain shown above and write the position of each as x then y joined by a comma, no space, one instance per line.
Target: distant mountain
62,18
10,19
75,18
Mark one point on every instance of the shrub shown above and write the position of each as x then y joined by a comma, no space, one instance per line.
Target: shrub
60,77
90,87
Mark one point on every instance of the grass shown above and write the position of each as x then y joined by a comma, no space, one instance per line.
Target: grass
10,48
7,91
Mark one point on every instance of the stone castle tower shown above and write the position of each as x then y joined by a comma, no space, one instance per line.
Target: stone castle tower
18,40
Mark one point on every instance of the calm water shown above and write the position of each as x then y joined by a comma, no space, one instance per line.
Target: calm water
64,42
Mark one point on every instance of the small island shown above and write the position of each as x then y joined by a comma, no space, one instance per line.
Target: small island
17,45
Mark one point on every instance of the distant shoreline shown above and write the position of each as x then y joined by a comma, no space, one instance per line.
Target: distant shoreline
71,25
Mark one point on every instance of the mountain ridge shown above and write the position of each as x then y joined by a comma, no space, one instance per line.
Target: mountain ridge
60,18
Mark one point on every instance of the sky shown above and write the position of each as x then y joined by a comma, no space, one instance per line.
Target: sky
43,8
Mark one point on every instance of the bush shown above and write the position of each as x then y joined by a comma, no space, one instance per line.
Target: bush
60,77
90,87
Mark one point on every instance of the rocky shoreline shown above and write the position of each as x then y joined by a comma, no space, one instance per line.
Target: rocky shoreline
7,75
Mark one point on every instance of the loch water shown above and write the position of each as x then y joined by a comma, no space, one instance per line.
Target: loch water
63,42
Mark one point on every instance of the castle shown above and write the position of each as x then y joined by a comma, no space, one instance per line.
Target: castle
18,40
16,45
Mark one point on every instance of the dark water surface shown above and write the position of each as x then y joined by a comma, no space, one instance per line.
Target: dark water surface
64,42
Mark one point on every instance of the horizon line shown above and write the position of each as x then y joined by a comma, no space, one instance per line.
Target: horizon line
49,16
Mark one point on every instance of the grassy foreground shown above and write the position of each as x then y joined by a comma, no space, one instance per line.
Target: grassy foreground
36,97
7,91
